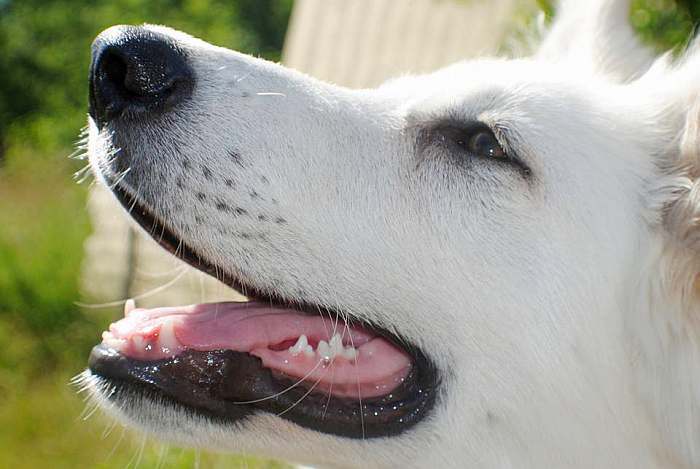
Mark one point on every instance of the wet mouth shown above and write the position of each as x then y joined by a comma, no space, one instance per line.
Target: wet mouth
228,361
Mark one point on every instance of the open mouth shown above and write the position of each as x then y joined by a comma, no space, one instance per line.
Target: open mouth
229,360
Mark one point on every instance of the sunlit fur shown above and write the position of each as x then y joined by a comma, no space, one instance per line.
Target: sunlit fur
559,307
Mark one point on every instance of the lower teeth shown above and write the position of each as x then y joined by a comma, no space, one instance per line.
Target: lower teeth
327,351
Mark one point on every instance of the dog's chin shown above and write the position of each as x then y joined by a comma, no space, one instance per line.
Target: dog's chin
228,361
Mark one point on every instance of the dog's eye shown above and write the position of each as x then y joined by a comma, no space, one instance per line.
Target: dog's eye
471,141
482,142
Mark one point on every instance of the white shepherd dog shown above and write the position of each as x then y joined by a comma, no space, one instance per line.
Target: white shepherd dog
492,265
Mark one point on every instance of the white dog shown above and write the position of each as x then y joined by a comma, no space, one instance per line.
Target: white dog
493,265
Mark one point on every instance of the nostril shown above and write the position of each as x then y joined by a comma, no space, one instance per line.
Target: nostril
113,69
109,85
108,93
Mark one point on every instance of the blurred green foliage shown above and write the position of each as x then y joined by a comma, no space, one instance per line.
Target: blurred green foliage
44,53
662,24
44,56
665,24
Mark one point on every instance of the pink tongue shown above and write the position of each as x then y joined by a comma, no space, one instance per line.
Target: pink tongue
365,365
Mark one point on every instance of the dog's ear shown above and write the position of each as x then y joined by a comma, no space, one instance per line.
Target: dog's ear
596,36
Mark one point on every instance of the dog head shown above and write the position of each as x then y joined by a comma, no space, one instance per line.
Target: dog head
469,267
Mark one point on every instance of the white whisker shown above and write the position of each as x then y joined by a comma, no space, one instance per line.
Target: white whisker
301,380
304,396
151,292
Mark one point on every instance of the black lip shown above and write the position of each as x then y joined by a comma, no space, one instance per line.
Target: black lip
212,382
229,386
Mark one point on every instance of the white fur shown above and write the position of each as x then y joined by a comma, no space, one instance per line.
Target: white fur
560,309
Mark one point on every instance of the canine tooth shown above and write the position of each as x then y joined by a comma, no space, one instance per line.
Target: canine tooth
129,306
301,345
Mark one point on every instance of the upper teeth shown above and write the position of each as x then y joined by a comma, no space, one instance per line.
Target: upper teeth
326,351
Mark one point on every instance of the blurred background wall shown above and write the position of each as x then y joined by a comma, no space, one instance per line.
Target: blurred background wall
44,224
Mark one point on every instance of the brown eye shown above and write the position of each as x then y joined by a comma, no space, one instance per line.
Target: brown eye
483,143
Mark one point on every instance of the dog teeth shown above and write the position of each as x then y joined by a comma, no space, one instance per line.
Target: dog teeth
325,351
166,338
112,342
302,346
349,353
336,344
129,306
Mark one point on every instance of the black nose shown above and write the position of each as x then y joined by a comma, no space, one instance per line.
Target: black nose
136,71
